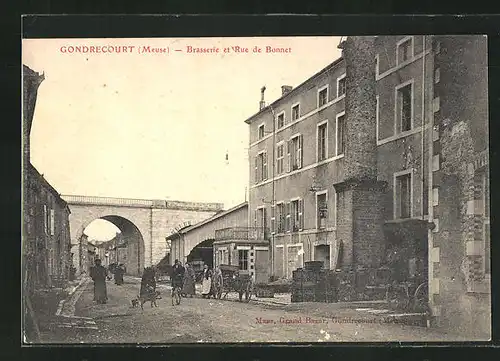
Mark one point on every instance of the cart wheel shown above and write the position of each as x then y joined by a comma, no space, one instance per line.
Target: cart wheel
420,298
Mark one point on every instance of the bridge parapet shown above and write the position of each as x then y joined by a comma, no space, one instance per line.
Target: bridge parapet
142,203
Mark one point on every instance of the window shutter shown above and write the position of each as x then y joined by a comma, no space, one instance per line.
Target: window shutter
299,152
52,221
264,218
301,214
288,217
289,155
273,219
257,169
264,166
45,219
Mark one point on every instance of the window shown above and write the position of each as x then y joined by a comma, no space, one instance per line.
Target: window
52,222
280,157
404,108
404,52
340,141
341,86
288,217
243,259
296,112
322,210
45,219
322,96
403,196
280,217
261,131
295,153
322,142
261,218
280,120
261,167
297,215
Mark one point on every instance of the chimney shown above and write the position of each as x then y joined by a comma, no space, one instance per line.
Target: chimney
285,89
262,103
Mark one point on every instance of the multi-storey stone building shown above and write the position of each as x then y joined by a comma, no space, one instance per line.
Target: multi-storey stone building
45,238
382,157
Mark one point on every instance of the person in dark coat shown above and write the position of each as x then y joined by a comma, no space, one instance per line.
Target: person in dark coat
98,274
177,274
119,271
188,285
148,282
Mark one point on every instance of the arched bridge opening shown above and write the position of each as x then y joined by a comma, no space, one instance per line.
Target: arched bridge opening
204,251
126,248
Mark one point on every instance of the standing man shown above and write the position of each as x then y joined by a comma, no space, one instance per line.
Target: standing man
98,274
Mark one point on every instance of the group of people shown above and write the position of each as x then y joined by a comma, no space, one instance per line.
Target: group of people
184,277
100,274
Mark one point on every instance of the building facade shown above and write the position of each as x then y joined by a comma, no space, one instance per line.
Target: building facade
45,234
383,154
224,238
293,196
48,257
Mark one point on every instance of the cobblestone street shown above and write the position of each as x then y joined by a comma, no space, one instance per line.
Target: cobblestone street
202,320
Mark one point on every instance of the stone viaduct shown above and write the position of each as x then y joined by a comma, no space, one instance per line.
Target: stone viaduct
144,224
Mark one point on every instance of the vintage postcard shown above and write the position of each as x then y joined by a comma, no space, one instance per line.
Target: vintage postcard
260,189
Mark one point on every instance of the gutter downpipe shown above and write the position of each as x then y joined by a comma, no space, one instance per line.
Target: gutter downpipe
430,241
273,208
423,131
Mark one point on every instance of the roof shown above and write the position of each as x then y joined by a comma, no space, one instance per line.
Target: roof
32,170
216,216
294,90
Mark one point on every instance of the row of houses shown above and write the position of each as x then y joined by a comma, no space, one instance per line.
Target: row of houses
382,154
46,246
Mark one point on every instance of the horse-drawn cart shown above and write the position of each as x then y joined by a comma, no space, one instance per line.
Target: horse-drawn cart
232,280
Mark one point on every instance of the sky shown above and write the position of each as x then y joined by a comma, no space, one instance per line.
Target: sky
158,125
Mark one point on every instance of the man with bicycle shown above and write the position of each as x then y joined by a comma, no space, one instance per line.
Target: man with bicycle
177,276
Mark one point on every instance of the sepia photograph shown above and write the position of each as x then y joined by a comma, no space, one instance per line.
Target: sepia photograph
255,190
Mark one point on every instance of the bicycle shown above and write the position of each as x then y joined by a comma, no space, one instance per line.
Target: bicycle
407,296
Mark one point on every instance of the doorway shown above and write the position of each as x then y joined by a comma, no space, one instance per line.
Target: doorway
322,253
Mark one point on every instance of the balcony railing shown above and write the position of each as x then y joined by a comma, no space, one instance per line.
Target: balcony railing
249,233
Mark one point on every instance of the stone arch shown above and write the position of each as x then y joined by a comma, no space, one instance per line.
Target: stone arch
135,251
135,259
202,251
